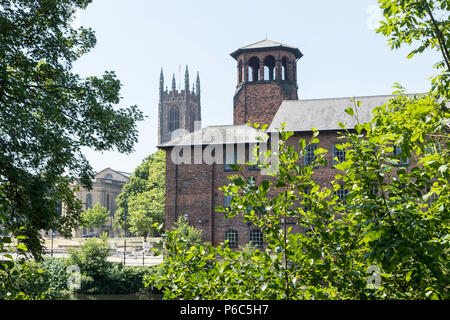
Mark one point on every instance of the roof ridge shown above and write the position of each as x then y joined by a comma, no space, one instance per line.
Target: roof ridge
351,97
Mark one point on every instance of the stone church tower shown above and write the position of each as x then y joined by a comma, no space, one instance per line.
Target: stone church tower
266,75
178,109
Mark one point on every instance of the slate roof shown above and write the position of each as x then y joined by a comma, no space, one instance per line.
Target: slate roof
122,173
323,114
227,134
267,43
298,115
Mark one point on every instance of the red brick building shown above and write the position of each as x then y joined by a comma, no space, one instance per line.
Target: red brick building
197,163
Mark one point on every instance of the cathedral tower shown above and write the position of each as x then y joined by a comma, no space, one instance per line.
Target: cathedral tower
178,109
266,75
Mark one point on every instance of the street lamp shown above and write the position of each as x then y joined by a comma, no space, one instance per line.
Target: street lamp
125,239
51,252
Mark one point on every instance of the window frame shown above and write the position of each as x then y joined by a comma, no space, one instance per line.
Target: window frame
174,118
339,192
233,237
335,154
260,238
397,155
226,166
88,203
307,158
227,200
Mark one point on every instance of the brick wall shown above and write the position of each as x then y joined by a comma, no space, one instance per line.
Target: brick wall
258,102
193,189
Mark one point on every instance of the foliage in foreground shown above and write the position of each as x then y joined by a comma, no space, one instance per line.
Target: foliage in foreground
99,276
394,220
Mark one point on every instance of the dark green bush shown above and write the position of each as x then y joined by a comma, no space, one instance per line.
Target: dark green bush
39,280
99,276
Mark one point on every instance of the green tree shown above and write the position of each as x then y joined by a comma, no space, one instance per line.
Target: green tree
425,24
403,212
142,200
94,217
48,114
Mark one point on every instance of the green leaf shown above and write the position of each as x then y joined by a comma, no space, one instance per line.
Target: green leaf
408,276
319,151
22,247
239,182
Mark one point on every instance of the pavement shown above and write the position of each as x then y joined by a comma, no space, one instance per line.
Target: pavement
135,255
131,258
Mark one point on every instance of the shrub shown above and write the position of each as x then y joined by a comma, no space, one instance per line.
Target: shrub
99,276
91,258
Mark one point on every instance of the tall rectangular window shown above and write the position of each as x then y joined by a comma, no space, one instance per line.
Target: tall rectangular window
309,155
342,195
227,200
338,155
307,200
88,201
256,238
230,158
232,236
398,155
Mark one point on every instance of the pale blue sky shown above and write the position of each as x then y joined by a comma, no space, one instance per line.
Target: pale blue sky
343,57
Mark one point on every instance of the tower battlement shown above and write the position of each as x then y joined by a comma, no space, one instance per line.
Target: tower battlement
178,109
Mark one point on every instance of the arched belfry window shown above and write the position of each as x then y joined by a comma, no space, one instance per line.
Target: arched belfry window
253,69
240,70
269,68
294,70
284,69
174,119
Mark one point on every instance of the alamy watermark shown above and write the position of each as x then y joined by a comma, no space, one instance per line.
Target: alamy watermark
374,279
74,279
226,145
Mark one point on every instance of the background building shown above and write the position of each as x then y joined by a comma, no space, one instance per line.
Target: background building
106,186
178,109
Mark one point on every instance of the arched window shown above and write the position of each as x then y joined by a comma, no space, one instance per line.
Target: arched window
174,119
269,68
109,176
88,201
294,71
253,69
256,238
108,203
240,71
284,69
232,236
